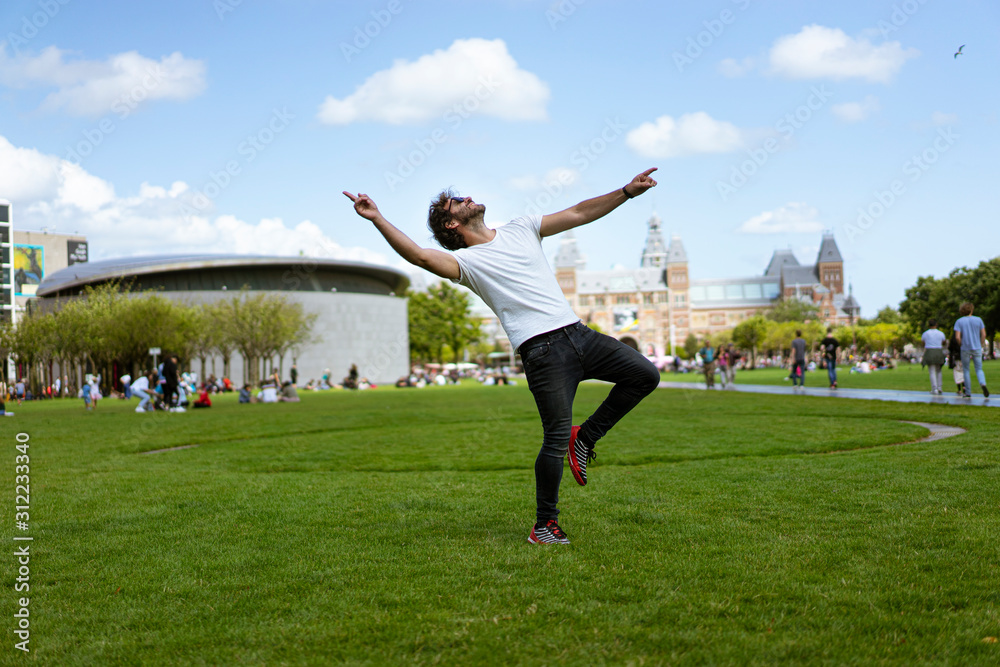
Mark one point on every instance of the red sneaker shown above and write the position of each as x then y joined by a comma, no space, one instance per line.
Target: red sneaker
580,454
550,533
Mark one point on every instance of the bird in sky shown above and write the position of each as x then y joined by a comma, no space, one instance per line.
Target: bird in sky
959,52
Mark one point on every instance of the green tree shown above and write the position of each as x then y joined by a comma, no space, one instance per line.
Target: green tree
780,336
982,289
438,318
888,315
263,326
6,347
691,346
883,337
940,298
144,321
792,310
749,334
217,316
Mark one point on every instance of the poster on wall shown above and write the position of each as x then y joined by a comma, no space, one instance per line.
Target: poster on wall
28,271
626,319
77,252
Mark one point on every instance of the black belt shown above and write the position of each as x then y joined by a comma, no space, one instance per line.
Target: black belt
544,337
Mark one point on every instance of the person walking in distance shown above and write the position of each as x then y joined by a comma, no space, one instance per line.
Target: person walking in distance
829,345
955,363
799,360
707,353
722,361
734,358
971,335
507,268
934,341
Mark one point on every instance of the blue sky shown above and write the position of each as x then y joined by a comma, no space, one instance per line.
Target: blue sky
233,126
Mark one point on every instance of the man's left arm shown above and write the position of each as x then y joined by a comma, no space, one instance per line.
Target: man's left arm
598,207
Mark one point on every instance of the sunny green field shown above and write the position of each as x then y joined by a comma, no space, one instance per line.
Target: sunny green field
907,377
389,527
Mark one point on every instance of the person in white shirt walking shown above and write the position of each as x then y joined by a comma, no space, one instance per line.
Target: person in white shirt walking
508,270
934,342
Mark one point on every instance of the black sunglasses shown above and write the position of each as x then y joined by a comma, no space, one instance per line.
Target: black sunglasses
458,200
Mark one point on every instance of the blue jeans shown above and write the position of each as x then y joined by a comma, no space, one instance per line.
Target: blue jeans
976,356
143,398
799,373
831,370
554,364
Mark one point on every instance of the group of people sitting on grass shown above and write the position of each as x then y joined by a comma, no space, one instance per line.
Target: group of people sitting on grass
271,390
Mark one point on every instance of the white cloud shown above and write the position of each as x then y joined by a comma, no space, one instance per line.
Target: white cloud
93,88
690,134
855,112
472,77
818,52
733,68
51,192
792,218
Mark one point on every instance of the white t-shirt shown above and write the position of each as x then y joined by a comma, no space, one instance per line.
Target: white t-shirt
141,384
933,339
510,273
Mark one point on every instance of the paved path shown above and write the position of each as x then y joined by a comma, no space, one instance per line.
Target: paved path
866,394
938,431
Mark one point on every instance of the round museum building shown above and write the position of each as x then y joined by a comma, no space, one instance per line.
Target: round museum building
361,313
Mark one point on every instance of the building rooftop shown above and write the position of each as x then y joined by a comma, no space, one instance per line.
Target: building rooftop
675,251
779,260
828,250
568,256
291,271
799,275
622,280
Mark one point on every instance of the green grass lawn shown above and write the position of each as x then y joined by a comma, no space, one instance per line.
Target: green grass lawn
910,377
390,526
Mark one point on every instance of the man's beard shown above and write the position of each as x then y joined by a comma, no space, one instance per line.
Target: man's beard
474,217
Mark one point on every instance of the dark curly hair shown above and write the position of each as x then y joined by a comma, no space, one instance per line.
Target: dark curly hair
437,219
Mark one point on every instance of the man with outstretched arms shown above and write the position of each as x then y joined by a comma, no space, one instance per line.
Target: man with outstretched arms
508,270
